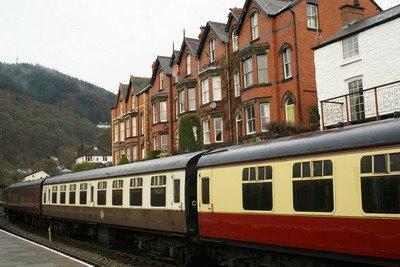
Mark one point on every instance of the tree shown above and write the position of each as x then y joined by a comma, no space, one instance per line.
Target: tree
123,160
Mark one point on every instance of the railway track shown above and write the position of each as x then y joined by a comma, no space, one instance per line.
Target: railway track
88,252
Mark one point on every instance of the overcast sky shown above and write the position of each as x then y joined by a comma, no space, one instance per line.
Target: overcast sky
104,41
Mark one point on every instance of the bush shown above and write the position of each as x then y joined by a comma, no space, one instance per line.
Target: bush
187,140
85,166
123,160
155,154
277,129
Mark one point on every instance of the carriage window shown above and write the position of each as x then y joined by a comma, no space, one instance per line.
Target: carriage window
257,190
101,193
158,191
380,185
54,195
63,190
72,193
117,192
136,192
205,190
177,191
82,193
313,192
395,162
44,196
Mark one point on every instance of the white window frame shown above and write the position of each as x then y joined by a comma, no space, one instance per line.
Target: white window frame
312,16
265,115
248,72
250,121
350,47
181,99
163,111
236,83
206,132
287,63
254,26
188,65
121,131
164,142
212,50
235,40
134,126
216,84
192,98
161,80
262,69
134,153
218,130
155,113
205,91
155,144
116,131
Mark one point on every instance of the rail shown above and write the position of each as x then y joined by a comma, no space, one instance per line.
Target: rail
365,105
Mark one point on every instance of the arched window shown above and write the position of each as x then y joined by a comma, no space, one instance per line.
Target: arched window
235,41
212,50
254,26
188,65
161,80
238,122
289,108
287,62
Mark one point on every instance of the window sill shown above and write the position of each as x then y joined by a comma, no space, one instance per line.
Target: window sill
314,29
287,79
255,40
256,86
349,61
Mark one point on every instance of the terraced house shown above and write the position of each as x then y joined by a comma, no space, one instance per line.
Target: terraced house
238,76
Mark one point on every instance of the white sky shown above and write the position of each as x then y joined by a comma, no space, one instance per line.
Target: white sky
104,41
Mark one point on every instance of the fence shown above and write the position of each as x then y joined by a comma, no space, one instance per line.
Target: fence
363,105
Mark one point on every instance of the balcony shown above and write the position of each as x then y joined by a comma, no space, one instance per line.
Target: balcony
365,105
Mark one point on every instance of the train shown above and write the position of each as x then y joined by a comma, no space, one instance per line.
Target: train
331,194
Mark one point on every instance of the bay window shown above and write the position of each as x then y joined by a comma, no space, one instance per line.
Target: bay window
218,130
248,72
181,99
134,126
164,142
206,132
262,69
216,84
192,98
155,113
264,116
250,120
163,111
205,93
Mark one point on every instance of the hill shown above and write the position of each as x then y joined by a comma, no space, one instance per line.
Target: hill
45,113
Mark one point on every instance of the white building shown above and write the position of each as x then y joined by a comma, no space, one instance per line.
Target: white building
362,60
94,154
35,176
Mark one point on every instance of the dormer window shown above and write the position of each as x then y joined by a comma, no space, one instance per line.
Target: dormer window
254,26
235,41
161,80
188,65
212,50
312,16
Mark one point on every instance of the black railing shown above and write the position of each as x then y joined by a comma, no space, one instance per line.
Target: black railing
365,105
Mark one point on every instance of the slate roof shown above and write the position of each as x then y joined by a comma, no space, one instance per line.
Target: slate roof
164,63
236,13
192,44
273,7
363,25
123,89
95,151
380,133
139,83
219,29
28,183
132,169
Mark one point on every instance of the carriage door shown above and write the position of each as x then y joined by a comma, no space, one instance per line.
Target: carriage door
204,192
178,197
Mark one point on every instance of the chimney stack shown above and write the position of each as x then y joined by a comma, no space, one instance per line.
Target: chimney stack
351,13
202,29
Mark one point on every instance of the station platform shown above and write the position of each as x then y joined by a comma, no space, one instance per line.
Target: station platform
16,251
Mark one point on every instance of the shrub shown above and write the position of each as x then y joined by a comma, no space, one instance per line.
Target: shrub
123,160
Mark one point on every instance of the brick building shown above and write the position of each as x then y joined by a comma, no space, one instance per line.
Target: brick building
237,76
